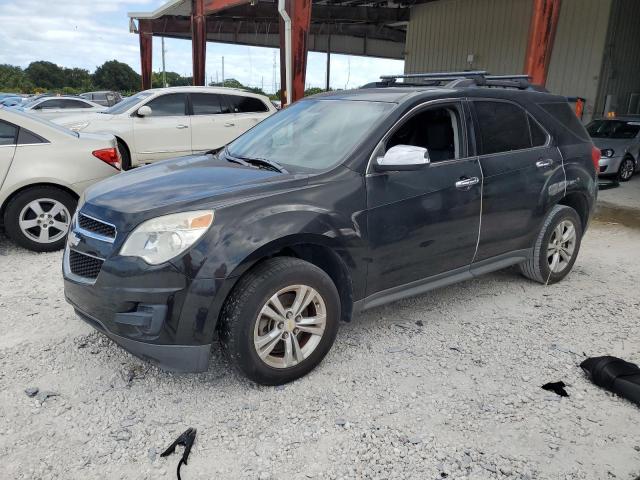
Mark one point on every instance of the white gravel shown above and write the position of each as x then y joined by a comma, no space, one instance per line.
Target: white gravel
446,385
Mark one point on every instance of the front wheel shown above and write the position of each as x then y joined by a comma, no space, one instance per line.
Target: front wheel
556,247
280,320
626,170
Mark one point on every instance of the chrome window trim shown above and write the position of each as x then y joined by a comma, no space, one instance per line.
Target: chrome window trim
94,235
459,100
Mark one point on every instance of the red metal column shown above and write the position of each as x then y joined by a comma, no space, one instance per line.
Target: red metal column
146,50
542,31
198,40
300,13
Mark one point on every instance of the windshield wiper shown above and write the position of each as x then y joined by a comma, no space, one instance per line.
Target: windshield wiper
270,164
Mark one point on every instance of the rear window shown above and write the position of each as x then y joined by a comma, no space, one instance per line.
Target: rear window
241,104
563,113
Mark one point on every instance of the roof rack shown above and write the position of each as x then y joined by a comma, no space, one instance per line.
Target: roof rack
465,79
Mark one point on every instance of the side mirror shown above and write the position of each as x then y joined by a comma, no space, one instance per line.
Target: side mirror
144,111
403,157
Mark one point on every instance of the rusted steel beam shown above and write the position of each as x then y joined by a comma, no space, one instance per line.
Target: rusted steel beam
542,31
300,13
146,52
213,6
198,40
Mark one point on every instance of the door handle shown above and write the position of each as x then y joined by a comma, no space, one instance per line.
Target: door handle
180,127
466,183
547,162
229,124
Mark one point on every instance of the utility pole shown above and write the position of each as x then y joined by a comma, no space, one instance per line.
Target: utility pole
275,89
164,71
328,85
223,70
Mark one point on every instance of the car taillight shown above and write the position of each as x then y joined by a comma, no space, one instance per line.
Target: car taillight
595,157
110,156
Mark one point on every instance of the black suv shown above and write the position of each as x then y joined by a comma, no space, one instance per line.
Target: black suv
339,203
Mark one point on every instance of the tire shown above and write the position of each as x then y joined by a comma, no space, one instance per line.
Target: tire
626,169
32,207
125,155
538,268
243,321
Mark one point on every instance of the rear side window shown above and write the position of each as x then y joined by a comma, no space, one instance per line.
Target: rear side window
169,105
241,104
208,104
75,104
503,127
562,112
27,137
8,133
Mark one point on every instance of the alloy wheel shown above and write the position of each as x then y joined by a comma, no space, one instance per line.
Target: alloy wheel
562,244
626,170
290,326
44,220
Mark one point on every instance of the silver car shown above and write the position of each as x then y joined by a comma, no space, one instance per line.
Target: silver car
619,142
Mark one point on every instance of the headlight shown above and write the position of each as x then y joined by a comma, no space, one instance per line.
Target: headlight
161,239
76,127
607,152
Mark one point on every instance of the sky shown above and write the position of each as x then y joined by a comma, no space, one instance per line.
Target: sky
86,33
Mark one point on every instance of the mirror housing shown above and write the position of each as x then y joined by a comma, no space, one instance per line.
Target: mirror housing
403,157
144,111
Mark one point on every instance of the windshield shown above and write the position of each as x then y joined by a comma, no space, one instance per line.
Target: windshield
127,103
613,129
310,135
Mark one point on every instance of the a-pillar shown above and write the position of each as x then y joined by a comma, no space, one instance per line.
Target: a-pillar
198,40
300,13
542,31
146,51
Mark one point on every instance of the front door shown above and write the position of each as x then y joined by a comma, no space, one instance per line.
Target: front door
166,132
212,122
523,174
8,140
426,222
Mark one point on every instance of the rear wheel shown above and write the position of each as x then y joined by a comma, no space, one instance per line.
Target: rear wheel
556,247
39,218
626,170
280,320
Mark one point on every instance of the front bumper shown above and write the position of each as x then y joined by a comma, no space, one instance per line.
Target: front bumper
609,165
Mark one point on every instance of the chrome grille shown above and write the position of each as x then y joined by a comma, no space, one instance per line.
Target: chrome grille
84,265
96,226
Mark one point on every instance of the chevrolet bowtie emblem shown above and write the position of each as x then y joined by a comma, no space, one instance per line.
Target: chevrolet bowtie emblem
73,239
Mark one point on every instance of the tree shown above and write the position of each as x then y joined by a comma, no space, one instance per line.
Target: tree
45,75
13,79
77,78
173,79
313,91
115,75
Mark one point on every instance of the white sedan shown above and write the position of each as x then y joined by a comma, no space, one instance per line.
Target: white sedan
52,107
44,169
169,122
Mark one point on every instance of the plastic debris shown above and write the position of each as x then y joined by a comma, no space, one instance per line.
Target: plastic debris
556,387
186,440
614,374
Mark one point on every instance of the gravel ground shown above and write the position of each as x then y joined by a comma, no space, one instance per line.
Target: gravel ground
445,385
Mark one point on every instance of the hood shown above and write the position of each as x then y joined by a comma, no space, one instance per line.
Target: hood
81,117
619,145
172,185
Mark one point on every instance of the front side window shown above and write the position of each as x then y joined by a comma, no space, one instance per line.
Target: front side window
504,127
240,104
48,104
173,104
436,129
207,104
8,133
311,135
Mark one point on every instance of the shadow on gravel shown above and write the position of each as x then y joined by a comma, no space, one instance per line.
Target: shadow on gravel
606,213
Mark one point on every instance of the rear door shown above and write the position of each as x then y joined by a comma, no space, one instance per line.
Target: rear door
8,140
166,132
212,122
248,111
522,172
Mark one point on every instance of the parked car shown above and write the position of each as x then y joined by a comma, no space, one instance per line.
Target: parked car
167,122
11,101
336,204
51,107
619,142
44,168
104,98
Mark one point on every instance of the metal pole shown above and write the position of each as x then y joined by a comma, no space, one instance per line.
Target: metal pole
164,71
328,87
223,70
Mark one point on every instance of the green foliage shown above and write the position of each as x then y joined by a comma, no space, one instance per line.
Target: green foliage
46,75
233,83
313,91
13,79
173,80
115,75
